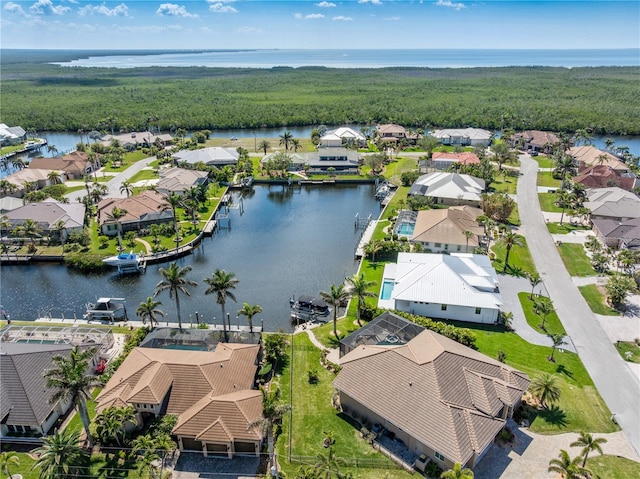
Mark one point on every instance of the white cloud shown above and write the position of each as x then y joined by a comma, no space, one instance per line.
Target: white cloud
14,8
221,6
392,19
342,18
44,7
372,2
119,11
450,4
311,16
325,5
173,10
250,30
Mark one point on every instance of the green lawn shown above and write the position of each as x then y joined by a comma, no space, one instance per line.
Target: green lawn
595,300
576,260
76,423
520,259
544,161
629,346
505,184
552,323
312,414
144,175
564,228
547,203
514,217
128,160
393,171
545,178
613,467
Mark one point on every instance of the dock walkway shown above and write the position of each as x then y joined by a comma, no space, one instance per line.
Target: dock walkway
365,238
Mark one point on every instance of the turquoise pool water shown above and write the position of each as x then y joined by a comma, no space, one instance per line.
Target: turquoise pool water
406,229
387,289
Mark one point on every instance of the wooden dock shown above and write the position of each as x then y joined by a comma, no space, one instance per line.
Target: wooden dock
365,238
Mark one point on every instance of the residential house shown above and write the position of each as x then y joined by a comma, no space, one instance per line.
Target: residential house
73,166
449,188
343,136
212,156
341,160
612,203
438,397
443,160
592,156
9,203
618,234
534,140
603,176
142,210
38,178
50,215
298,160
135,140
179,180
211,392
443,230
391,132
456,286
12,135
463,136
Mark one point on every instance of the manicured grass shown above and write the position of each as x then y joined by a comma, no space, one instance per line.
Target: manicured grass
393,171
144,175
514,217
128,160
505,184
595,300
312,414
544,161
613,467
547,203
393,206
545,178
552,323
580,407
564,228
102,467
519,258
76,423
628,346
576,260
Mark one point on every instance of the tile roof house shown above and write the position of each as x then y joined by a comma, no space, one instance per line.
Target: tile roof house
449,188
10,135
612,203
210,392
132,141
441,398
618,234
342,136
463,136
442,230
443,160
141,211
74,165
456,286
592,156
24,396
298,160
212,156
391,132
179,180
343,160
48,214
37,177
603,176
534,140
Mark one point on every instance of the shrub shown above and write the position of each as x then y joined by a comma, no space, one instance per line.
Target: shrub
313,377
85,262
461,335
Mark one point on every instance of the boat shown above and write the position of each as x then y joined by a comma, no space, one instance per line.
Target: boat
308,305
110,309
127,262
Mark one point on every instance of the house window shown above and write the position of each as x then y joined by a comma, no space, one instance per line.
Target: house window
443,307
446,246
439,456
478,310
458,248
437,245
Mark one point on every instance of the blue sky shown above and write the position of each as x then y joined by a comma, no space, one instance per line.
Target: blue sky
223,24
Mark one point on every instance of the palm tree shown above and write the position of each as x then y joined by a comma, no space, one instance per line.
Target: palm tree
264,145
54,177
52,149
72,382
221,283
544,307
126,187
295,144
335,297
250,311
174,280
509,240
359,287
468,235
558,340
285,139
115,215
534,280
568,468
588,444
372,248
7,459
30,229
110,424
565,165
60,456
328,466
272,412
457,472
174,201
545,388
148,310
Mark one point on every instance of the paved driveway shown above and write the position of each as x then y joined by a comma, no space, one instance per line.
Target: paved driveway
195,466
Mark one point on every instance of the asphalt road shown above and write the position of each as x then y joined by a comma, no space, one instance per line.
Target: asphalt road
616,383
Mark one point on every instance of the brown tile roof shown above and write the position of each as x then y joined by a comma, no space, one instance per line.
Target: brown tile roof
538,138
74,163
148,374
465,158
602,176
440,392
448,225
136,206
590,156
392,129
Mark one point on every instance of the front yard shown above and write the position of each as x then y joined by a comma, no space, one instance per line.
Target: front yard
594,297
575,259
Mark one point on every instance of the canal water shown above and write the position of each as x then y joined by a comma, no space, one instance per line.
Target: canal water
286,242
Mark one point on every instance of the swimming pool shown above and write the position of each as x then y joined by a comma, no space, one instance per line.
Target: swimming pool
406,229
387,289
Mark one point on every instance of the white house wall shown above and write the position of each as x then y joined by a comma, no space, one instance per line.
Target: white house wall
453,312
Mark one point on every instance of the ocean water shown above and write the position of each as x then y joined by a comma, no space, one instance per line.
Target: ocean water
366,58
